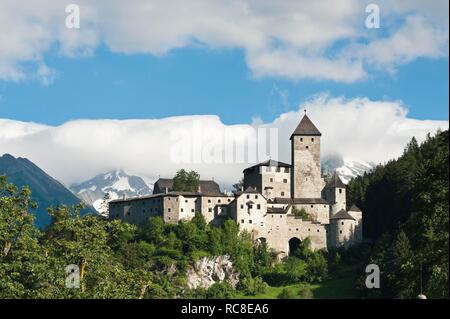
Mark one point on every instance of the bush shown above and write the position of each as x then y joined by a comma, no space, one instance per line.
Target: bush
220,290
254,286
286,294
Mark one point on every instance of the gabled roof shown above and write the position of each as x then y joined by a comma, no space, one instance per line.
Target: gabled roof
342,214
354,208
269,163
306,127
335,182
206,187
288,200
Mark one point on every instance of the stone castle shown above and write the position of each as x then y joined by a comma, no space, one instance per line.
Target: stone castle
279,203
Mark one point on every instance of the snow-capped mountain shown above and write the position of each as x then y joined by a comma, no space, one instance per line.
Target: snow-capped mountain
346,168
115,183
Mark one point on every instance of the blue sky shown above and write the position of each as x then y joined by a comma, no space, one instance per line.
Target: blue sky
197,81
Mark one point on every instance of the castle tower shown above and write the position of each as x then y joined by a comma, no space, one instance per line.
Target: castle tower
306,179
335,194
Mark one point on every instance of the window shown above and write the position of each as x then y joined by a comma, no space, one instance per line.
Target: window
268,169
250,221
192,210
169,209
296,229
285,180
262,224
210,210
312,139
181,209
281,216
307,146
301,139
340,190
271,180
248,196
219,201
250,206
340,232
242,221
318,230
256,196
258,206
282,193
228,200
242,206
312,206
342,223
209,201
169,218
278,169
309,229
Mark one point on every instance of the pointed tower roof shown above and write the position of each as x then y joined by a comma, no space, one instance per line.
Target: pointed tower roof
335,182
306,127
354,208
342,214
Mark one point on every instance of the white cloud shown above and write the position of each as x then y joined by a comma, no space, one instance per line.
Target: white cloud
293,39
357,128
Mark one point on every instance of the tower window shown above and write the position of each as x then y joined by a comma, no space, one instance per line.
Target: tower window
285,181
340,232
210,209
242,221
282,193
340,190
307,146
342,223
249,221
271,180
258,206
312,139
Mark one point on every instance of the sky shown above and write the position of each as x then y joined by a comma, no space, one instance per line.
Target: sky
228,65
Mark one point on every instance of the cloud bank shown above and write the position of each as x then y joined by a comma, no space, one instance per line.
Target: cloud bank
358,129
290,39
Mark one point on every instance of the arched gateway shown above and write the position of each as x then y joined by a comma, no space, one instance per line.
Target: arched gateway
294,244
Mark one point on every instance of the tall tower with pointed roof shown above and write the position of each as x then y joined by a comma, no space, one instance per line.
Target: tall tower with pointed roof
306,179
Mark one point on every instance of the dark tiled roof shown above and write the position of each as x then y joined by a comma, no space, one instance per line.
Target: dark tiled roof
283,200
342,214
354,208
335,182
206,187
276,210
172,194
248,190
269,163
306,127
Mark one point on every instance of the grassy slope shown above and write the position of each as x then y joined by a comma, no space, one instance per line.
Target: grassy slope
339,286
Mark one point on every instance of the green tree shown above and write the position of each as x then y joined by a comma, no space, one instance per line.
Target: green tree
184,181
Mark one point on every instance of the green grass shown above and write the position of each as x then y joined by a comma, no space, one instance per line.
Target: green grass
339,286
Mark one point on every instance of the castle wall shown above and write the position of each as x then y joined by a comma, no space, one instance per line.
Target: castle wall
251,217
318,212
279,178
212,208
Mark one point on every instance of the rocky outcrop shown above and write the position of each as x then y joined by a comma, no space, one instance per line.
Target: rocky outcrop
209,270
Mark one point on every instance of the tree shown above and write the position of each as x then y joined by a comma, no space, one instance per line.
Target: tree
186,181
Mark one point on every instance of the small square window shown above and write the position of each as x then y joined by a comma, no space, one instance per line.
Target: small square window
192,210
312,139
340,232
258,206
340,190
242,206
219,201
250,221
306,146
181,209
210,210
169,210
271,180
248,196
342,223
318,230
312,206
301,139
242,221
285,181
209,201
282,193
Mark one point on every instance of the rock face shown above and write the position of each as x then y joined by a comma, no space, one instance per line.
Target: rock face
209,270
